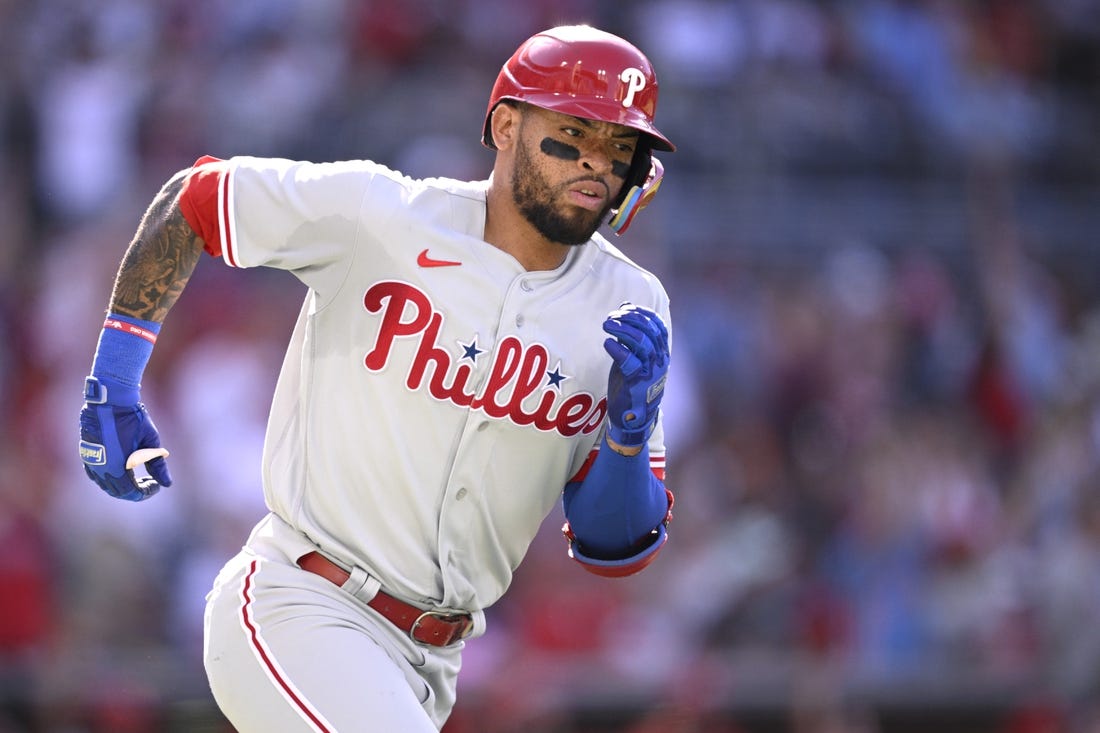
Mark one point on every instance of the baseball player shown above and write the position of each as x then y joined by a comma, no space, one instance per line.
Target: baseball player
468,354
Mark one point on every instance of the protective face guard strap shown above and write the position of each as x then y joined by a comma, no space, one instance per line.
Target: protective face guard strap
637,197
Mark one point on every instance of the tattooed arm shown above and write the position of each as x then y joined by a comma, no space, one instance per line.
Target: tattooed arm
116,431
160,259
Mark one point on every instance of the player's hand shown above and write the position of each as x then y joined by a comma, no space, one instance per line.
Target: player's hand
117,434
640,355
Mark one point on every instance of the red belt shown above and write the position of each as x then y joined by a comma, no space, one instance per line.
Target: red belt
437,628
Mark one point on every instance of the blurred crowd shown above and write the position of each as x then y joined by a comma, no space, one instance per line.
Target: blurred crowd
884,410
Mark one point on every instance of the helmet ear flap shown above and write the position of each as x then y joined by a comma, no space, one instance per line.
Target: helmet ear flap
642,181
638,172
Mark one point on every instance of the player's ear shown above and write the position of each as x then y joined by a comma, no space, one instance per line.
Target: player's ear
504,124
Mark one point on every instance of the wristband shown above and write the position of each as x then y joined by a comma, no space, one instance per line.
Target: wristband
124,348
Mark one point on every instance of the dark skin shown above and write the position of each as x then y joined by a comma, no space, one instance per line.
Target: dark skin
562,154
537,145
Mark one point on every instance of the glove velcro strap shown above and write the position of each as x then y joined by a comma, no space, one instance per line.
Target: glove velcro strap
628,438
105,392
634,429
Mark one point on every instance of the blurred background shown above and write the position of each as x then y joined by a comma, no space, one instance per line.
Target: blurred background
879,236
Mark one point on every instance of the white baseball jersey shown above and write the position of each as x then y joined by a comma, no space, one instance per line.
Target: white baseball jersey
435,397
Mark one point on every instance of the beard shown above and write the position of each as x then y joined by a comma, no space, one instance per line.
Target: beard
534,197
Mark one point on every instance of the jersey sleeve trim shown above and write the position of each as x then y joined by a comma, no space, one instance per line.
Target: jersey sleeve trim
225,219
206,202
656,465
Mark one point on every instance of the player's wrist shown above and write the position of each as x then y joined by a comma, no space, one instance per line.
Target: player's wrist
621,449
125,345
630,434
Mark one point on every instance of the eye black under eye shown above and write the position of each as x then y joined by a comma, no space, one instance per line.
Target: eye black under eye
558,149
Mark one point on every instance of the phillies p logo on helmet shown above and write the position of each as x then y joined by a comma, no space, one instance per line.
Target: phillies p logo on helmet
585,72
635,82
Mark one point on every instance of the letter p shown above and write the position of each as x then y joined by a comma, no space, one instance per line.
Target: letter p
635,82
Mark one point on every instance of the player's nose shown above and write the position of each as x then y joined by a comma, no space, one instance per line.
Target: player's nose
597,168
595,159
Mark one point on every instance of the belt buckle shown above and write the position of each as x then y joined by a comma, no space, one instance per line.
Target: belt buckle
467,629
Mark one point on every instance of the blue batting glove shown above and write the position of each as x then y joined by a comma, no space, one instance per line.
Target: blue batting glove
640,354
113,424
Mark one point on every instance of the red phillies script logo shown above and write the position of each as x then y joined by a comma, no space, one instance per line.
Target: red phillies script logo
517,373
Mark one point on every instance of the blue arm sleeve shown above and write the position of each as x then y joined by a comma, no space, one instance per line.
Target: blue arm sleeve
617,506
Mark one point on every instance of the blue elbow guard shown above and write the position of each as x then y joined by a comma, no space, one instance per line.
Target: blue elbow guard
627,565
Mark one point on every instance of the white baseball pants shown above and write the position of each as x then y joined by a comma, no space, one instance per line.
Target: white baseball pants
286,651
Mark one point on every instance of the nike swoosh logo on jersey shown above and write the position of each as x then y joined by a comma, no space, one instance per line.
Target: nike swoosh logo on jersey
424,260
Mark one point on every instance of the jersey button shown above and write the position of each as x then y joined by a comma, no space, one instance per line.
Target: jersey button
482,426
526,285
460,494
520,320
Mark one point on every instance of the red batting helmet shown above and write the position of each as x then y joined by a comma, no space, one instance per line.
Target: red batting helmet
584,72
